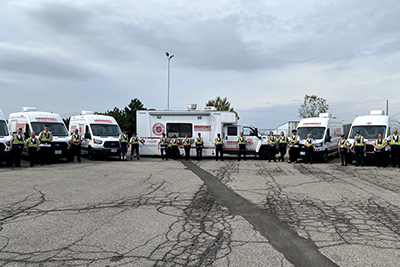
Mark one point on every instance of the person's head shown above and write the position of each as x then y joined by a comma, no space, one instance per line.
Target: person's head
282,133
379,136
19,130
395,131
309,136
241,133
199,134
134,134
124,131
342,136
271,133
294,132
186,136
358,132
33,134
174,136
46,128
163,134
76,131
219,135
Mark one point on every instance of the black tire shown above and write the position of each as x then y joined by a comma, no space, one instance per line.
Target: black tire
264,153
90,154
325,157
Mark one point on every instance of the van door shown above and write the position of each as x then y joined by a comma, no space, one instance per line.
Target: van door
230,134
251,137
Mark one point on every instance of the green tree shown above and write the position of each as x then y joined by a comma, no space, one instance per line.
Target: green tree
66,122
312,106
222,104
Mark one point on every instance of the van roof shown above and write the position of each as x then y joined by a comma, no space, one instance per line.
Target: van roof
38,116
101,119
371,120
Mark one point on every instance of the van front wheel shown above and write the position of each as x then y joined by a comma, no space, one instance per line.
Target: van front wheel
90,154
264,153
325,157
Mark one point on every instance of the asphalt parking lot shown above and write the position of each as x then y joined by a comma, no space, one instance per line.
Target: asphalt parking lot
179,213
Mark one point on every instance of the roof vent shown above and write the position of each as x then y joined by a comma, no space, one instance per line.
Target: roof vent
377,112
86,112
26,109
210,108
191,106
325,115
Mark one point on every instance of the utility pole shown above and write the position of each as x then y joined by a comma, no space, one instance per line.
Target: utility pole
387,107
169,59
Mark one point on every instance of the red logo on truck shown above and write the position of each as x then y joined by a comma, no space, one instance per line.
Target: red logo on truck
158,128
249,142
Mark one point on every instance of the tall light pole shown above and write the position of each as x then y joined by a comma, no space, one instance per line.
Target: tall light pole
169,59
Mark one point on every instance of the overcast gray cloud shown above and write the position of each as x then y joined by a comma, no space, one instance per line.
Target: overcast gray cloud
263,55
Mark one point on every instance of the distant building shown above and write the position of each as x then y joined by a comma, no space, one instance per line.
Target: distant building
287,128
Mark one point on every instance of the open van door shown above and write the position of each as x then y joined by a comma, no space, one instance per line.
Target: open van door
230,135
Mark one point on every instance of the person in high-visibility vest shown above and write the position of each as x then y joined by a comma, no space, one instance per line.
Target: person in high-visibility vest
219,147
199,146
45,138
294,147
17,146
283,142
187,144
175,147
134,143
241,143
343,150
393,141
359,148
123,144
163,146
379,148
309,143
32,147
76,141
272,141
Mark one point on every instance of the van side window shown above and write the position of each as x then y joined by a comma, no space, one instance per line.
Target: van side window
328,132
179,129
232,131
28,130
87,129
248,132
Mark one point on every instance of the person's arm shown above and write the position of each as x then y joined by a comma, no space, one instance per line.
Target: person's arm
365,147
158,146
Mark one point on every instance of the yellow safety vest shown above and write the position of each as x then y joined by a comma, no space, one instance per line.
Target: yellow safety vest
17,141
186,142
293,138
174,142
381,144
242,140
393,141
273,141
309,142
76,140
284,141
359,142
43,137
163,141
199,141
123,139
31,144
343,144
134,140
218,142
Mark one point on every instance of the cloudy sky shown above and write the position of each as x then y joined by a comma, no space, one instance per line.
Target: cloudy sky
68,56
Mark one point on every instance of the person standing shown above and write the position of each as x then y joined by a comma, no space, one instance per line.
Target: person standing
32,148
199,147
394,142
219,147
294,147
283,141
76,140
186,144
163,146
241,142
134,143
343,150
17,147
45,138
309,143
123,144
272,146
379,148
359,148
174,147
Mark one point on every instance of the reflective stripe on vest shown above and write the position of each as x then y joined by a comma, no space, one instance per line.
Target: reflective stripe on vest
76,140
343,144
123,139
134,140
43,137
283,141
163,141
218,142
186,142
17,141
359,142
242,140
381,144
32,144
393,141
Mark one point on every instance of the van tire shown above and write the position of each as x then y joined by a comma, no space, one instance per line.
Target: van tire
264,153
90,154
325,156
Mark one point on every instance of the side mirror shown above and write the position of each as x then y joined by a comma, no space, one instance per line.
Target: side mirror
256,133
26,135
88,136
328,139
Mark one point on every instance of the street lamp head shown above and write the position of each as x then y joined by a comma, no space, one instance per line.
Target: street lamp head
167,54
171,56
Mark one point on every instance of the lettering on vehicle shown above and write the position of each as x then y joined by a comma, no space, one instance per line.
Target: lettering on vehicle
158,128
312,123
45,119
106,121
337,132
21,125
202,128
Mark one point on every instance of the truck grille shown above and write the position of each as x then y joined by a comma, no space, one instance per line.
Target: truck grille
370,148
59,145
111,144
2,147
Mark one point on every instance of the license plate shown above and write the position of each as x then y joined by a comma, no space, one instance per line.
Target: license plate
302,153
113,150
57,152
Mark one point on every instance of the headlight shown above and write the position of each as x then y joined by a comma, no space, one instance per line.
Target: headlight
97,141
318,144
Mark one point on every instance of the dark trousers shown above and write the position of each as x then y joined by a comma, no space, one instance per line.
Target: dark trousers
293,153
174,151
32,151
359,150
135,147
17,153
272,153
309,154
380,158
219,150
164,152
282,151
199,152
344,156
242,150
187,152
76,152
395,151
45,153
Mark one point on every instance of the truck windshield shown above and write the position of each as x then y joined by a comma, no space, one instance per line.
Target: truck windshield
316,132
57,129
368,131
3,128
105,130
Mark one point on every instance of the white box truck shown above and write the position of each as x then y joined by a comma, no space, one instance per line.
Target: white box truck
5,141
32,120
100,132
325,131
152,123
370,126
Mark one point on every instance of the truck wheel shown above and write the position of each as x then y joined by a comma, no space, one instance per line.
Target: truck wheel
325,157
90,154
264,153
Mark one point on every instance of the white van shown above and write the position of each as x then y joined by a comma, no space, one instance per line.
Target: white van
325,131
101,133
5,141
370,126
32,120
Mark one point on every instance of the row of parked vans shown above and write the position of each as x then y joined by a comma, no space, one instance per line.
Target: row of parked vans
101,132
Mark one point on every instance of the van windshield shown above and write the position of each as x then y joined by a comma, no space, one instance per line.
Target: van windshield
316,132
105,130
3,128
368,131
57,129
